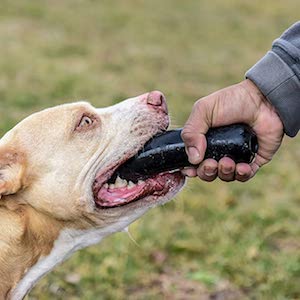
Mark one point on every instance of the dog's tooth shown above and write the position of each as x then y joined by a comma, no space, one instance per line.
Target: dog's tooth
120,182
140,182
106,185
124,183
131,184
111,186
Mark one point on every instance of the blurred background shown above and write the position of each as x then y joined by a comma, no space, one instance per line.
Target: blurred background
215,240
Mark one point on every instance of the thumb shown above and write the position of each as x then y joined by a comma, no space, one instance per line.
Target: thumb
193,133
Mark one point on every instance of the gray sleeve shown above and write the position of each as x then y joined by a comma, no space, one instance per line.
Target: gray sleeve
277,75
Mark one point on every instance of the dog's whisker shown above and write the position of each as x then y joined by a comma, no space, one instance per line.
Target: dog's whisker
131,237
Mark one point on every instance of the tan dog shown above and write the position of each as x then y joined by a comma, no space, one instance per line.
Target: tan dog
54,166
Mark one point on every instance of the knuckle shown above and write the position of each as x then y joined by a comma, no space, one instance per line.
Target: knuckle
187,133
197,107
226,179
209,179
205,177
242,179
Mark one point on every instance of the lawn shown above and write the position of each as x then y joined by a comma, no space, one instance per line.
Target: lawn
215,240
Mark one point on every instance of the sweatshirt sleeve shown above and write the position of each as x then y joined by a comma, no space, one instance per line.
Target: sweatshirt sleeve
277,75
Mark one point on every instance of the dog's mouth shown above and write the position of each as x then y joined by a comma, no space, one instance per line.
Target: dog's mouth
108,194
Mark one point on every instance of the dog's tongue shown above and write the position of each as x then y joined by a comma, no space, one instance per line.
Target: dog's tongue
113,195
118,196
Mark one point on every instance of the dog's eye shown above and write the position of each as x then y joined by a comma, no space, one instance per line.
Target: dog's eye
85,122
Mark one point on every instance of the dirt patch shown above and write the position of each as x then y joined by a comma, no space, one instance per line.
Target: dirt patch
288,244
174,285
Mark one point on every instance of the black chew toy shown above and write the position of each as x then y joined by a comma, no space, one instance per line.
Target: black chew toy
166,152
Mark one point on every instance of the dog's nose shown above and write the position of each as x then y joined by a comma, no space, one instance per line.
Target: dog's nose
158,100
155,98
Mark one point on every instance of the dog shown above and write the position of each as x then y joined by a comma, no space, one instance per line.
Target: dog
54,195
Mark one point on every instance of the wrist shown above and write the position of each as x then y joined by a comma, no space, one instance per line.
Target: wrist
253,92
278,81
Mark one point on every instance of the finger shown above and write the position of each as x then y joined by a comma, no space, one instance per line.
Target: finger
189,172
226,169
208,170
258,162
193,133
243,172
196,149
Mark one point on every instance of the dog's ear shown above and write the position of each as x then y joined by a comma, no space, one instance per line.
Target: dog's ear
12,169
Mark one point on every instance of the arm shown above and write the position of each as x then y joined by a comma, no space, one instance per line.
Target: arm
269,101
277,75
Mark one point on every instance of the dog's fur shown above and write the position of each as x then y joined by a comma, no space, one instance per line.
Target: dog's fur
48,165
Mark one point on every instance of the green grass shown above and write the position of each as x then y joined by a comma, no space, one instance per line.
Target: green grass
236,241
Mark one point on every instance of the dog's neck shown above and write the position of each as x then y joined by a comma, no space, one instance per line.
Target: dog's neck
25,237
69,241
32,244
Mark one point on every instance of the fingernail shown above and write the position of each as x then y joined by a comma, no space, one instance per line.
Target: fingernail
194,154
241,173
226,171
209,171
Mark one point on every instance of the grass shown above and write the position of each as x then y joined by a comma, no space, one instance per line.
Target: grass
236,241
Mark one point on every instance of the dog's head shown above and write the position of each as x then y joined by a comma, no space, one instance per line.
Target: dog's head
58,161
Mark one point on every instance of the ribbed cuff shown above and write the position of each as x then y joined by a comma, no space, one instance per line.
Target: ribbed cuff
277,81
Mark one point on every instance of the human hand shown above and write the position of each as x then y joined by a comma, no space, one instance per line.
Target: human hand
240,103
